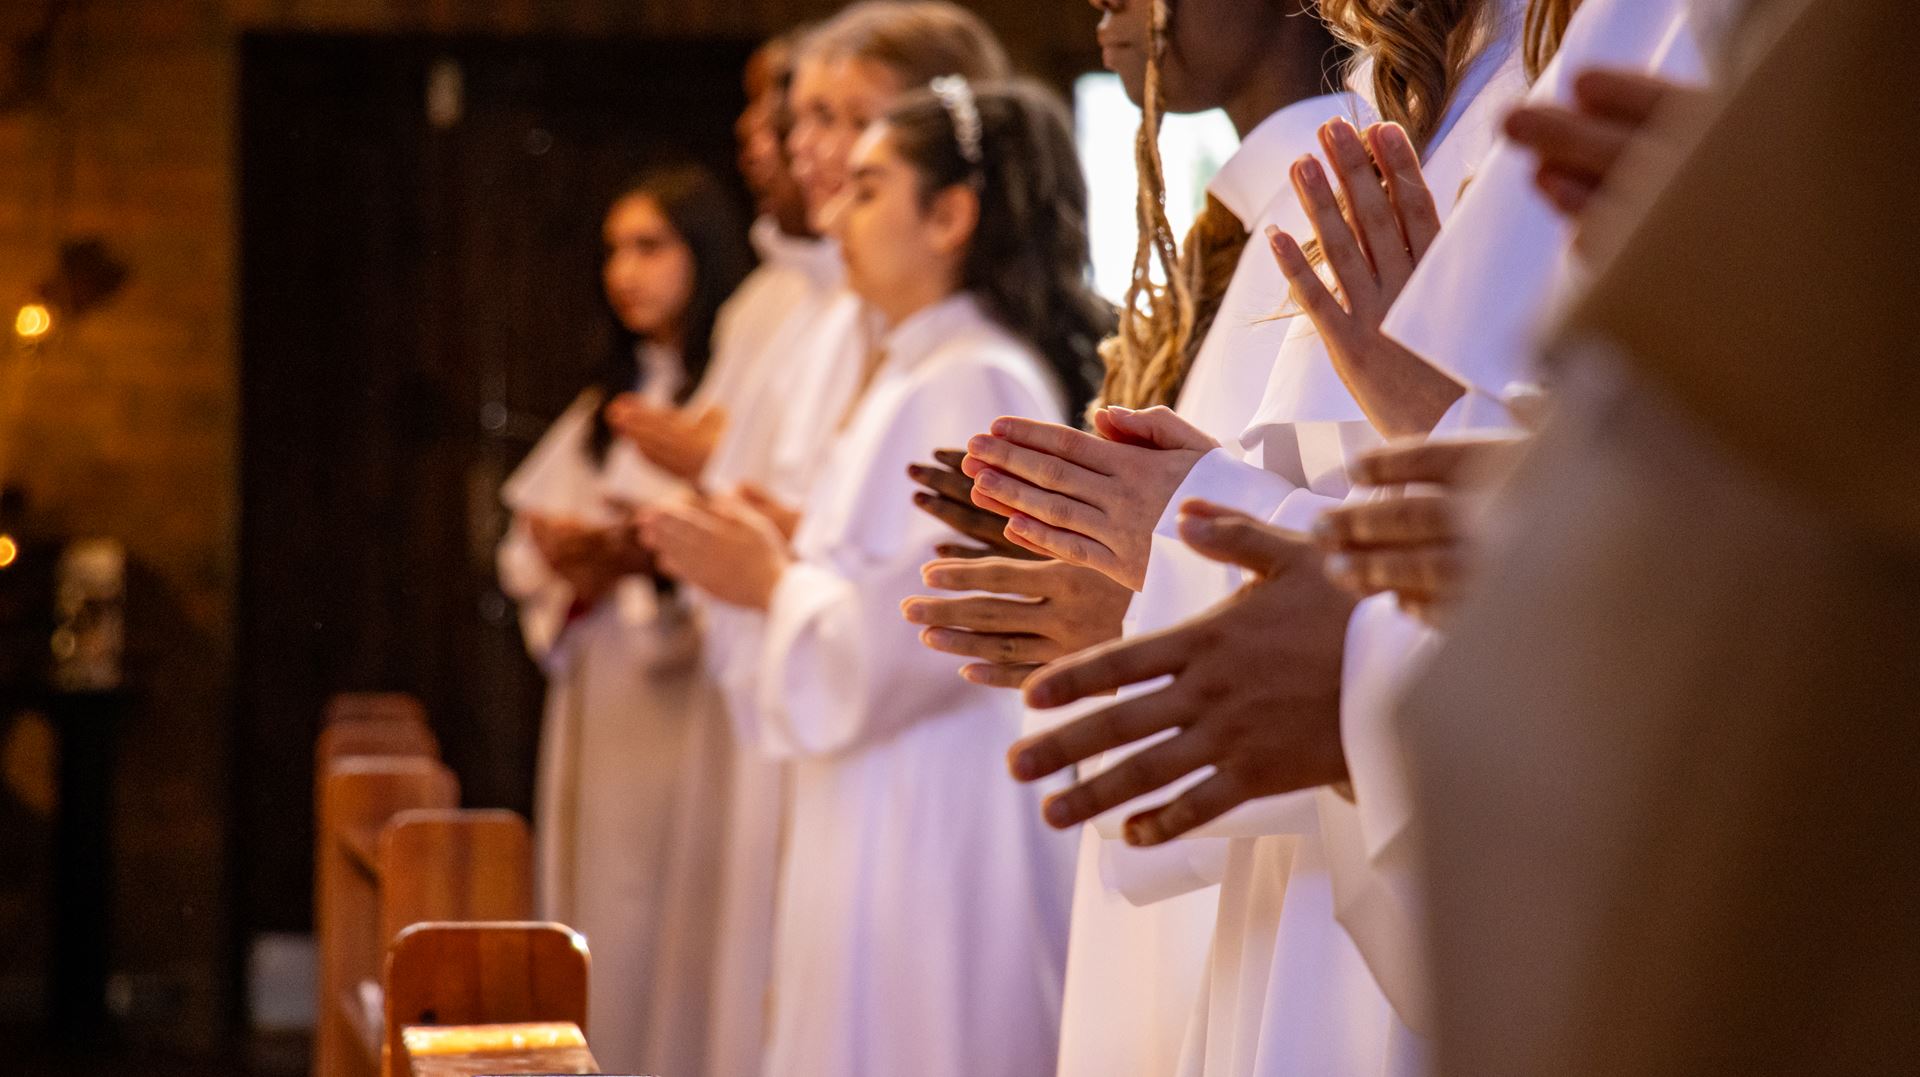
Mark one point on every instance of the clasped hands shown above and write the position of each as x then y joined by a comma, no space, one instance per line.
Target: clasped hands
733,546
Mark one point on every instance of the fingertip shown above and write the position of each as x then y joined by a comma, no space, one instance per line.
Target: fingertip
1340,568
1002,427
1143,830
1058,813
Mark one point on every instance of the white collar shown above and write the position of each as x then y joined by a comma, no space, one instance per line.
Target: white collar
816,257
1257,171
931,326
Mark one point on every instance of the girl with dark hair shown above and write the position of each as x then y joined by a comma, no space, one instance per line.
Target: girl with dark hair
923,907
633,732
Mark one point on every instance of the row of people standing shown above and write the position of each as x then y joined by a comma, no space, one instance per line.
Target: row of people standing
820,820
832,872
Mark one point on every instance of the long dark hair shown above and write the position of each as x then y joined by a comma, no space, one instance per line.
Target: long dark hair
1028,263
708,220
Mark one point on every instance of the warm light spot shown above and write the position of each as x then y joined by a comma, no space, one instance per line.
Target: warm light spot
9,551
33,322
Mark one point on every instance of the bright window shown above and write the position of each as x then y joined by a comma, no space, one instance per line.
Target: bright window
1192,148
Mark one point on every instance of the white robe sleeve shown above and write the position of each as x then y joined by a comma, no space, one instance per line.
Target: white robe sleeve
1369,841
542,596
555,479
838,666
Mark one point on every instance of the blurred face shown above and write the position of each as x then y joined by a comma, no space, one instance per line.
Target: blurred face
754,133
833,102
1212,47
902,251
648,272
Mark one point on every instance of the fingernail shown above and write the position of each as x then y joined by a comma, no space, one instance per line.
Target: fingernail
1273,233
1200,527
922,499
987,480
1001,427
911,610
915,471
1058,815
1142,832
1017,523
978,444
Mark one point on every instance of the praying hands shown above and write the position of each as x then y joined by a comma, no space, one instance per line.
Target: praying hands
1372,238
1082,499
1264,733
1035,612
948,497
722,545
679,440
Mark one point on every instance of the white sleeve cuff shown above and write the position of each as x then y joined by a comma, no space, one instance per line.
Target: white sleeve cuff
1225,479
1162,872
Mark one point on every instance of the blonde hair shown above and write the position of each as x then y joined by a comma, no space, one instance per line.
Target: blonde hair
1146,357
1420,50
919,40
1540,37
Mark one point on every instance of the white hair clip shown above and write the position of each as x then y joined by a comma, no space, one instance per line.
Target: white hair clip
956,96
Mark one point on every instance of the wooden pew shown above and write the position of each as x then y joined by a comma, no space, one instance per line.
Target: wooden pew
359,794
486,998
358,724
458,865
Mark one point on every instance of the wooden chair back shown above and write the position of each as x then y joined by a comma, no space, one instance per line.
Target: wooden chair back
454,865
359,794
486,973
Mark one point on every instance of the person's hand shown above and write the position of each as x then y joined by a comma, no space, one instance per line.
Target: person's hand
1371,242
720,545
1410,542
1255,692
1086,500
1054,609
948,497
1579,145
785,517
590,559
679,440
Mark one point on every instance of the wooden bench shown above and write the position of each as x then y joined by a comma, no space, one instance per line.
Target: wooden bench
359,794
486,998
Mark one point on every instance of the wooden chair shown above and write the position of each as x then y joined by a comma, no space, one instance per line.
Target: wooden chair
454,865
359,794
493,998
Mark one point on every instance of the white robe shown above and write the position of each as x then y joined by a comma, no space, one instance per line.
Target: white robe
634,755
1473,309
923,904
1143,919
754,352
1278,955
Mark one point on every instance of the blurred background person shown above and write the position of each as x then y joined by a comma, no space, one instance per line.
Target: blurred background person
635,753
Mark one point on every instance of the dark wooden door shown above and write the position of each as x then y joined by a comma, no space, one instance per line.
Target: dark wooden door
420,296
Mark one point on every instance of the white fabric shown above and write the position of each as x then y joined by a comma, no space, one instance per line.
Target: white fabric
923,904
1287,991
761,351
1142,917
754,354
1471,308
634,754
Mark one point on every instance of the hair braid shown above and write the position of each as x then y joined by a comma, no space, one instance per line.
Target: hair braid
1145,358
